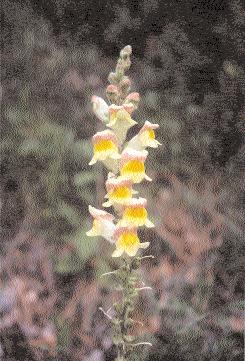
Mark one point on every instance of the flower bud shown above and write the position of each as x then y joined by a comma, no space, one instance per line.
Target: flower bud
126,51
112,89
133,98
112,78
112,93
125,85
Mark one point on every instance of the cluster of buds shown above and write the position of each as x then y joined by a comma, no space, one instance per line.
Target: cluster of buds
125,161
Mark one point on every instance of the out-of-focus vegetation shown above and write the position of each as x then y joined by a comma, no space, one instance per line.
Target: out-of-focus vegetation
188,69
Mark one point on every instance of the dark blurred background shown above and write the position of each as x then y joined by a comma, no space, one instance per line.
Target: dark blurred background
188,66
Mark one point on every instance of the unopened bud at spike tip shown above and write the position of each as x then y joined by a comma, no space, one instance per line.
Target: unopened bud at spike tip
112,89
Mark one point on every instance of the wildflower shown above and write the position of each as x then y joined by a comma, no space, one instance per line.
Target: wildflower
132,165
135,214
120,120
100,108
134,99
126,240
112,93
102,225
125,85
119,190
105,146
128,168
126,51
145,138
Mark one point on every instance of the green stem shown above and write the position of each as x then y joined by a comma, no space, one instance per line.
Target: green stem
125,309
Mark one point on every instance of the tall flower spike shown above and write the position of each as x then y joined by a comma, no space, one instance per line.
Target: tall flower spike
135,214
105,146
127,162
102,225
132,165
127,241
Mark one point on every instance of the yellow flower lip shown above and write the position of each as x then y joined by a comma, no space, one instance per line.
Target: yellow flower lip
127,241
119,190
135,213
132,164
105,146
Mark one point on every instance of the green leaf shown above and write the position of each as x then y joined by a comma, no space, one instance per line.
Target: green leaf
84,178
86,246
69,213
67,264
29,146
83,148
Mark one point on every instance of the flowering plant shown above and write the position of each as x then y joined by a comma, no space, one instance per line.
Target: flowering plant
125,161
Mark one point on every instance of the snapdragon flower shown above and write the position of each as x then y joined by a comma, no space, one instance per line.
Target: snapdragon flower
132,165
119,190
133,98
127,241
105,146
120,120
145,138
135,213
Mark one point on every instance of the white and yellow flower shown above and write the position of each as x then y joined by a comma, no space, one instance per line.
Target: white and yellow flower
133,99
102,225
145,138
127,241
120,120
132,165
119,190
135,214
100,108
105,145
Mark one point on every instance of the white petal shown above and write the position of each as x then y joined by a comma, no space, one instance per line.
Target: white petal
148,178
107,230
144,245
111,164
93,161
100,108
149,224
92,233
107,204
115,156
118,252
135,143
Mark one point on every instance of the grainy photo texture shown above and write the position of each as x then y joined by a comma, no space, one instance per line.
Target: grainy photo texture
122,180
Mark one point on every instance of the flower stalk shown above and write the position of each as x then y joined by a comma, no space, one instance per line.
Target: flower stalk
125,161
